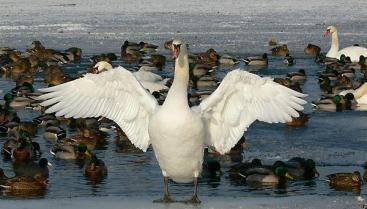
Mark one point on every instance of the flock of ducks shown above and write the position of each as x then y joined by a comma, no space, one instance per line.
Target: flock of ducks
342,83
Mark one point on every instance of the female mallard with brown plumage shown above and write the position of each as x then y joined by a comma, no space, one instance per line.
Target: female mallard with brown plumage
345,180
95,169
25,183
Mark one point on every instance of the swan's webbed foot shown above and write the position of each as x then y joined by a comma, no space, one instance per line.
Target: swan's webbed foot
193,200
165,199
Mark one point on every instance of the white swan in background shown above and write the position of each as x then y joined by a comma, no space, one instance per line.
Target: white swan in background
354,52
177,132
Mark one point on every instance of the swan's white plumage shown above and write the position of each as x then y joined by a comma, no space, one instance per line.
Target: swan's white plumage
241,99
114,94
354,52
177,132
142,75
151,81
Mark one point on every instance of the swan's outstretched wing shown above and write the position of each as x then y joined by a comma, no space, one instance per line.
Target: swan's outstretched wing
114,94
241,99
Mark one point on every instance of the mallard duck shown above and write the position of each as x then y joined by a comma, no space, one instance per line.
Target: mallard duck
53,133
20,66
360,94
312,49
242,167
301,120
29,127
333,104
206,82
267,176
342,84
54,75
22,154
70,152
283,81
198,70
25,183
227,60
147,47
22,90
301,169
45,119
345,180
280,50
20,102
32,169
74,53
299,76
210,57
24,79
95,169
157,60
289,60
124,144
88,133
349,73
257,60
130,52
211,167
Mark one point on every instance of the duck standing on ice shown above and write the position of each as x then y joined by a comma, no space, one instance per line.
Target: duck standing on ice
177,132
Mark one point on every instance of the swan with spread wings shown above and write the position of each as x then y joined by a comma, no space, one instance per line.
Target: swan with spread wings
176,132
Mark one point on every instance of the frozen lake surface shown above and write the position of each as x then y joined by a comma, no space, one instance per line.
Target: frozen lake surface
336,141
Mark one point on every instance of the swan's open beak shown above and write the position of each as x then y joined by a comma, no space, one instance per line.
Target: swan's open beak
326,33
175,51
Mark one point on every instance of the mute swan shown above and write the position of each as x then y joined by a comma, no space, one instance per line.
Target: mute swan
177,132
354,52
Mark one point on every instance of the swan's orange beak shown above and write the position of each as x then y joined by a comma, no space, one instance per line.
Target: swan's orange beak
175,51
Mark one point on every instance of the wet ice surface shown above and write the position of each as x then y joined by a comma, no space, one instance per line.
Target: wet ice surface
337,141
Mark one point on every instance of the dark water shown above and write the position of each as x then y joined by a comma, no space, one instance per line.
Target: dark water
336,141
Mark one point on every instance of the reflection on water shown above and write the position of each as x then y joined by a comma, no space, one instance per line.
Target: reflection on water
132,173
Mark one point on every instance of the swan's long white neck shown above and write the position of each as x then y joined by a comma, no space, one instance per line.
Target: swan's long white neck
334,49
177,94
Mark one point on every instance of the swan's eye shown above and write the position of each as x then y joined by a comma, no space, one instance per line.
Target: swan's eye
177,45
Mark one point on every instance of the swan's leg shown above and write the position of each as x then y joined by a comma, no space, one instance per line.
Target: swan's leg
167,197
194,199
